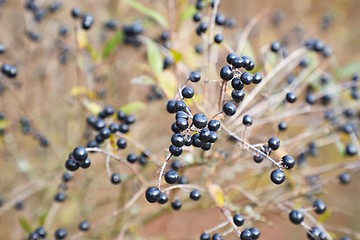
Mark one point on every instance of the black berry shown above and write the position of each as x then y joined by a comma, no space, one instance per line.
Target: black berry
277,176
152,194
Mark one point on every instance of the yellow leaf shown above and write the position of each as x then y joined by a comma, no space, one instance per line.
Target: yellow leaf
80,90
177,55
168,84
325,216
217,194
81,38
133,107
93,107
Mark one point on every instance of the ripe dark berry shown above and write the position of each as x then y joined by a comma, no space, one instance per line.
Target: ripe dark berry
60,234
107,111
177,140
85,164
180,106
296,217
238,220
205,236
283,126
171,176
60,197
182,124
351,149
247,120
258,158
41,232
257,78
9,70
87,21
229,108
204,135
345,178
230,57
246,78
152,194
201,28
310,98
274,143
291,97
114,127
275,46
181,114
200,120
255,233
195,195
187,92
246,235
214,125
176,204
248,63
238,95
176,165
217,236
183,180
288,162
319,206
84,226
199,5
218,38
121,143
277,176
226,73
237,62
188,140
237,84
174,128
195,76
105,133
130,119
99,124
75,12
115,178
80,154
170,106
314,234
131,158
206,146
213,137
176,151
163,198
197,17
71,165
66,177
220,19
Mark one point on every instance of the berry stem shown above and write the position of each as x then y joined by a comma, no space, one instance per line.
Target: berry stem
162,170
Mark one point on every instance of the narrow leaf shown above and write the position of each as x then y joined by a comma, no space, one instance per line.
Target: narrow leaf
143,80
133,107
42,219
149,12
217,194
25,224
154,57
168,84
348,70
112,44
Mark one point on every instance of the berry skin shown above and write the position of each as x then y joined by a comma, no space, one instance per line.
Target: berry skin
87,21
176,205
288,162
84,226
229,108
114,127
246,78
111,25
60,197
177,140
9,70
277,176
152,194
115,178
296,217
206,146
181,114
247,120
248,63
275,46
274,143
218,38
196,141
183,180
75,12
246,235
345,178
257,78
217,236
213,137
220,19
258,158
174,128
237,84
291,97
205,236
67,177
131,158
170,106
71,165
255,233
180,106
60,234
197,17
121,143
237,62
282,126
350,150
319,206
238,95
171,177
80,154
195,195
105,133
200,120
41,232
204,135
187,92
238,220
181,124
176,151
85,164
195,76
230,57
214,125
226,73
130,119
163,198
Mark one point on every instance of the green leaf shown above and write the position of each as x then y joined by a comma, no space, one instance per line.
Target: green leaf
25,224
42,219
154,57
348,70
112,44
178,56
168,84
325,216
133,107
149,12
188,12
